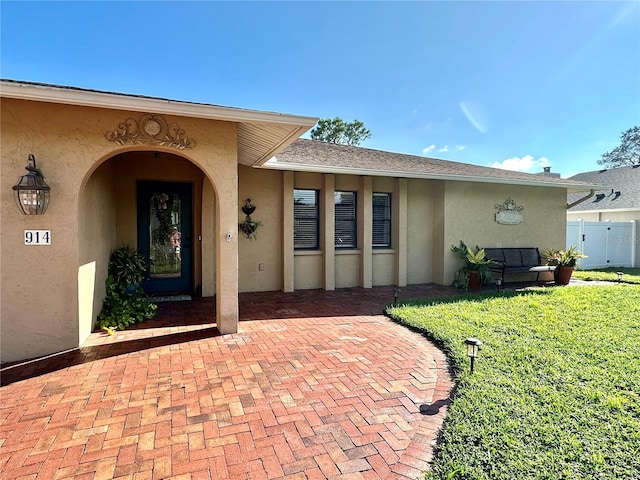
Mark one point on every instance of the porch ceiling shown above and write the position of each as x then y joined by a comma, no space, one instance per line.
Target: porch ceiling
260,134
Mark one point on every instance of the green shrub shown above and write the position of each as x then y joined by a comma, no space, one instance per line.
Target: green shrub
125,303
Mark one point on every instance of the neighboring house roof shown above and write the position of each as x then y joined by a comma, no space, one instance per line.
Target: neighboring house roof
620,189
260,134
316,156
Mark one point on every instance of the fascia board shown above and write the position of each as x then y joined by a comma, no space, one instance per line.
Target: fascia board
69,96
604,210
427,176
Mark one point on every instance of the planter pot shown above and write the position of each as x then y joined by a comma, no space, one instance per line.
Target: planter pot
563,275
474,282
248,209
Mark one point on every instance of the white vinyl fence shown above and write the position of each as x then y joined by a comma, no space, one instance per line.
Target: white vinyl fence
606,244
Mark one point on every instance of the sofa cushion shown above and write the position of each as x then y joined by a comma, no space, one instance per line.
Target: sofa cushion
512,257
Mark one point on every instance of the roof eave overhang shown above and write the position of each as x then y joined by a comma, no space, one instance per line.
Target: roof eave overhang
267,133
572,188
117,101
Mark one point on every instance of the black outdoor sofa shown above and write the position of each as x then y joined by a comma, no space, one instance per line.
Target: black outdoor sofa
516,260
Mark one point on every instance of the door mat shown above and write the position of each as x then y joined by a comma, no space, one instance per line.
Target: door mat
170,298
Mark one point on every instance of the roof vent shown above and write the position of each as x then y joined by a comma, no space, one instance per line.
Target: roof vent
599,197
637,165
546,172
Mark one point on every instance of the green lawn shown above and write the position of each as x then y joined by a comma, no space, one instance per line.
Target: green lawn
556,390
631,275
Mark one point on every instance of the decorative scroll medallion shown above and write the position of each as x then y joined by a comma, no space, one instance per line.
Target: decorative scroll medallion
150,130
509,213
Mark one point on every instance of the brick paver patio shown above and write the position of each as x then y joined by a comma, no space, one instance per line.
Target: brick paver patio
315,385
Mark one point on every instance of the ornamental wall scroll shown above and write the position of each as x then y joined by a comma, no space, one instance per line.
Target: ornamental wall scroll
509,213
150,130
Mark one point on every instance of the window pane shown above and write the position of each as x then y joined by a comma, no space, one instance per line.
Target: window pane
346,224
305,219
165,236
382,220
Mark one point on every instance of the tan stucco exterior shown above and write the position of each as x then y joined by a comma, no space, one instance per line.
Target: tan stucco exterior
428,217
51,295
260,259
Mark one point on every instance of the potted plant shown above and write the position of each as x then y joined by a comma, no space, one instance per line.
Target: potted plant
476,268
564,261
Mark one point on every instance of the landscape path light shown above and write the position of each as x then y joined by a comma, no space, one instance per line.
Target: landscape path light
396,291
620,274
473,348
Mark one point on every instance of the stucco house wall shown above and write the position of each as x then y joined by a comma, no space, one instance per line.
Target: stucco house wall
470,216
437,214
97,225
260,259
51,293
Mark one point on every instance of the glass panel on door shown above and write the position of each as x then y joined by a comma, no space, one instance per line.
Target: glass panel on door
165,235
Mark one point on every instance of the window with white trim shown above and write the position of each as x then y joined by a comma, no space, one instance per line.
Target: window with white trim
306,219
346,220
381,237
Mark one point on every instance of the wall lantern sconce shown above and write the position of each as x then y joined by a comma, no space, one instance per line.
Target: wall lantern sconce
473,348
620,274
32,192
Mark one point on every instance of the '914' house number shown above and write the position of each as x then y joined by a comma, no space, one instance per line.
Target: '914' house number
37,237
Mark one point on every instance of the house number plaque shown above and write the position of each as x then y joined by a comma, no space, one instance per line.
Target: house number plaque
37,237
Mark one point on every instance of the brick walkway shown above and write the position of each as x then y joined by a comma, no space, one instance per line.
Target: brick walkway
315,385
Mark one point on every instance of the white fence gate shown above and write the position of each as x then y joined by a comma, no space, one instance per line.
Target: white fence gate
606,244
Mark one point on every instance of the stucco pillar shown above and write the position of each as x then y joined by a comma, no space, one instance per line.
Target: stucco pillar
288,276
329,215
440,253
365,225
401,232
227,259
208,239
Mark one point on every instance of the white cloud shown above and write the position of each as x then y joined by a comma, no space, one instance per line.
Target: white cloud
429,149
446,148
523,164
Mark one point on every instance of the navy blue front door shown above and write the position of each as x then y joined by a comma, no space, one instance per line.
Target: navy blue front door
164,235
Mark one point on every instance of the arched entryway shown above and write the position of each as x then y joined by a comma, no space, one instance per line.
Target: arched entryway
158,202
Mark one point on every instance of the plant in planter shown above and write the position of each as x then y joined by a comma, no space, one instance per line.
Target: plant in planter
564,261
476,268
125,303
248,227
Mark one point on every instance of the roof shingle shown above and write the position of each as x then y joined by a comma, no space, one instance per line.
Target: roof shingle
314,155
625,180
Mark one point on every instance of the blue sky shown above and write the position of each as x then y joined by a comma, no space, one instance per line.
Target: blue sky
504,83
